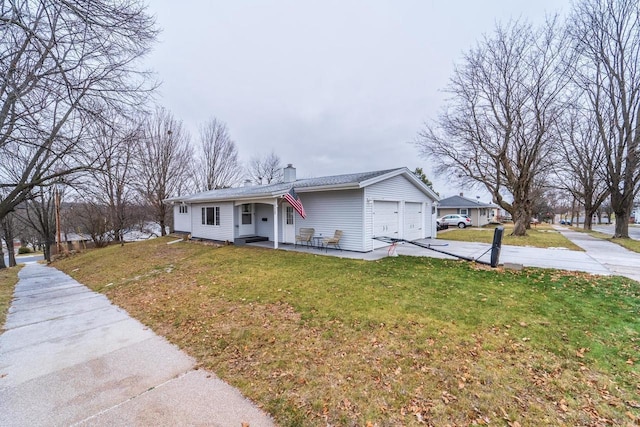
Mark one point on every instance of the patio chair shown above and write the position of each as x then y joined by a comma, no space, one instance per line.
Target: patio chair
305,236
335,240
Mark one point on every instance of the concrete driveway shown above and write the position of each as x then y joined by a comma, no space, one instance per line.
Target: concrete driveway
70,357
599,257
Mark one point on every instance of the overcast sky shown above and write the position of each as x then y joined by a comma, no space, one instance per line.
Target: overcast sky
330,86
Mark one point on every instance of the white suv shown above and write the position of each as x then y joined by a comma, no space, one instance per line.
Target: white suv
460,221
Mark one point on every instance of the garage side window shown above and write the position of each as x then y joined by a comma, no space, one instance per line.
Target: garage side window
211,216
183,209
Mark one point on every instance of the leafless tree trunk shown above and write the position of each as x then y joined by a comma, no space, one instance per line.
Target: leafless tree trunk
581,167
7,225
219,167
39,215
606,35
63,64
267,170
497,127
163,162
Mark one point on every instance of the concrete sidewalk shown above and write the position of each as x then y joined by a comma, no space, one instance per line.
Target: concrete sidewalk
618,260
70,357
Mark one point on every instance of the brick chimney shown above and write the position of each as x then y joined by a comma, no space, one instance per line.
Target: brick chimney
289,173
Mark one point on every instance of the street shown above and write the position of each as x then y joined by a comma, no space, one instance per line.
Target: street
23,259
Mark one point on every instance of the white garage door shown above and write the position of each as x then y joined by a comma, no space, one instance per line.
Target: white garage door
385,220
412,221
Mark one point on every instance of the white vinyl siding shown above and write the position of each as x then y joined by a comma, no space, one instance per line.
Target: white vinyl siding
331,211
264,212
181,221
222,232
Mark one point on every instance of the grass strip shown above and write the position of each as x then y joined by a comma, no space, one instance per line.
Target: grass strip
8,281
539,236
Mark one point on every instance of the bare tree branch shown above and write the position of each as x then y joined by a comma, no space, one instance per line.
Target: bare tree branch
265,170
219,167
64,64
497,128
164,162
606,36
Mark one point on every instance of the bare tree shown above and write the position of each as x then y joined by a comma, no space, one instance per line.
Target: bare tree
112,183
63,64
606,34
219,167
91,218
163,162
581,167
267,169
39,214
497,127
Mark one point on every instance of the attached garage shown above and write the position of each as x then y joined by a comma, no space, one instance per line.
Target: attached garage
413,224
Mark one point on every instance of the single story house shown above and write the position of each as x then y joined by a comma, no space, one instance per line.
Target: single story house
480,213
392,203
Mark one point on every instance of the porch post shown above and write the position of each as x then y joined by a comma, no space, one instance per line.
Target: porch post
275,224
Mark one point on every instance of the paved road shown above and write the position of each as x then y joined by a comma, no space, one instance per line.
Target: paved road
70,357
24,259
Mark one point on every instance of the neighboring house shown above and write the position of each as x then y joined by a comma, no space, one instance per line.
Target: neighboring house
480,213
392,203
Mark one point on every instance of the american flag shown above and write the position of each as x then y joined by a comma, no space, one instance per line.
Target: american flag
294,201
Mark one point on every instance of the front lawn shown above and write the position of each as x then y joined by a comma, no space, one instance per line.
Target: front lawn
540,236
317,340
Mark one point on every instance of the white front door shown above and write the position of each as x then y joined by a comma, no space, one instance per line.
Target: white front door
247,220
288,224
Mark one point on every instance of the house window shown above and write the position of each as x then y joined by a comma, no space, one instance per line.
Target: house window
246,214
289,215
211,216
464,211
183,209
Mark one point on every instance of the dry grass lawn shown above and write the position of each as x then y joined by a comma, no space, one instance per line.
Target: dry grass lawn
317,340
8,280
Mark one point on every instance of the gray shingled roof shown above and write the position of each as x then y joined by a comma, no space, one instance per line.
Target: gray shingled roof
463,202
281,188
